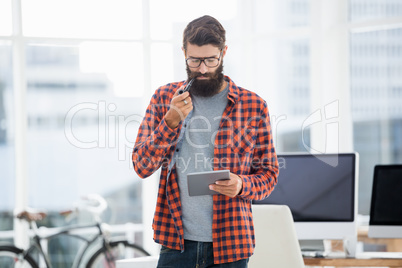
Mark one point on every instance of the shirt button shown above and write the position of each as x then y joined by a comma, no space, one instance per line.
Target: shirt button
177,150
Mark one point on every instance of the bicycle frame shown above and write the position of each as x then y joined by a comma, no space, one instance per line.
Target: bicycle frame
69,232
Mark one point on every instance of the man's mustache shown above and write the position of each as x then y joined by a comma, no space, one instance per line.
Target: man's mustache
197,74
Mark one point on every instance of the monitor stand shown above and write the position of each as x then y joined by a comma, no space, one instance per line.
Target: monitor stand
317,248
312,248
350,245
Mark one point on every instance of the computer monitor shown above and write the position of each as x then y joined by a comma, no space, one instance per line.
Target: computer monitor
386,202
321,192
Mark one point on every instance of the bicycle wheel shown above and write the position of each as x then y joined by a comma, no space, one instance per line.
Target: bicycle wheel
12,257
117,250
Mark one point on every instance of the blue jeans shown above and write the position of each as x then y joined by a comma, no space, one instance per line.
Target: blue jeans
195,255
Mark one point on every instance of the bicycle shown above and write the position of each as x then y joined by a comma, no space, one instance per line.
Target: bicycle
105,255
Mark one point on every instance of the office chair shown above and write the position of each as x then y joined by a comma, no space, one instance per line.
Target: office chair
277,245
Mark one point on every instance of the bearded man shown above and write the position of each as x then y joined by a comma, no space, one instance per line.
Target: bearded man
215,125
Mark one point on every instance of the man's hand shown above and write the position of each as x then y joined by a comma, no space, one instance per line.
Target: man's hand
230,187
180,107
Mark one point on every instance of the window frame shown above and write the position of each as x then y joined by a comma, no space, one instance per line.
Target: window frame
329,21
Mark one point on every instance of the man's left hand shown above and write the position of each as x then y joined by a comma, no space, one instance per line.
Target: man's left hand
230,187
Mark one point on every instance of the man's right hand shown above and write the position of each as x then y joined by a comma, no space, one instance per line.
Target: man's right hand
180,107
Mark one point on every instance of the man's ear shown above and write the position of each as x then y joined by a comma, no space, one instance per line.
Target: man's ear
224,51
184,52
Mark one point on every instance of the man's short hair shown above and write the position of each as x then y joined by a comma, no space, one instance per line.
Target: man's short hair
204,31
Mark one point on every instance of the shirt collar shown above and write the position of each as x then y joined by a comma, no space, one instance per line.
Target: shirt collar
233,94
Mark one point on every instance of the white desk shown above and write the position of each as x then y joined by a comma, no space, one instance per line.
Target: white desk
353,262
152,261
142,262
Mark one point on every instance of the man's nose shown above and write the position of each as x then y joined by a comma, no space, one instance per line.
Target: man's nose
203,68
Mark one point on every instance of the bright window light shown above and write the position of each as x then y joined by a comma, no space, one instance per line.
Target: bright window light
121,62
165,15
5,17
119,19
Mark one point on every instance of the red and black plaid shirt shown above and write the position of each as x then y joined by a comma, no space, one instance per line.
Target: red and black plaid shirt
243,144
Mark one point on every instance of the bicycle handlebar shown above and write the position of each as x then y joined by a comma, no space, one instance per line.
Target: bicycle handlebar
93,203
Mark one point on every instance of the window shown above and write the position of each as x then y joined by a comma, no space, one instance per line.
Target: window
80,99
376,67
84,74
90,68
273,15
281,70
168,18
90,72
5,17
376,64
6,137
119,19
286,89
366,10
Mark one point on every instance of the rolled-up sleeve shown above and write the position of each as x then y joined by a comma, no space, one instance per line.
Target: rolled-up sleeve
155,139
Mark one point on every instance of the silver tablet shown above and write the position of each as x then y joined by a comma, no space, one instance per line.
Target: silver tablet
198,182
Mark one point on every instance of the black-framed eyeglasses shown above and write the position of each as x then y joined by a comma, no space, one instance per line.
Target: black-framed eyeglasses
209,62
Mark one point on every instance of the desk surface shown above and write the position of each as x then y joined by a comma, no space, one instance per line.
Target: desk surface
353,262
139,262
366,259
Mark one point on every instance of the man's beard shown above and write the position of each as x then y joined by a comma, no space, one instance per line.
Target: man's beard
208,87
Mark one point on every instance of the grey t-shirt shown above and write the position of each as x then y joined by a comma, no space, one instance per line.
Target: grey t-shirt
196,155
